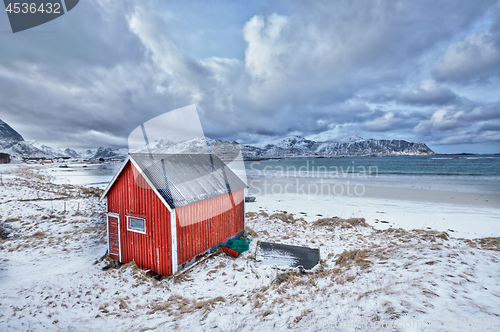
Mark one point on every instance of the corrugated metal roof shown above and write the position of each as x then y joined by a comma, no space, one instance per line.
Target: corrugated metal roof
182,179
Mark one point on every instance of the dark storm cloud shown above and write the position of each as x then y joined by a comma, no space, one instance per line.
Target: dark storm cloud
317,68
475,57
73,82
94,34
428,93
491,126
463,123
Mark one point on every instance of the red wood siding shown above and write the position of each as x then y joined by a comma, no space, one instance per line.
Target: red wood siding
129,197
204,224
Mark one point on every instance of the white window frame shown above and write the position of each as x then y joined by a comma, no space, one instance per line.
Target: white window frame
135,229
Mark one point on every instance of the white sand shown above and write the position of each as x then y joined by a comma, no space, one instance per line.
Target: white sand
468,209
466,221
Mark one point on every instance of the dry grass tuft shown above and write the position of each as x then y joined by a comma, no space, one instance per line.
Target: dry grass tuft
430,235
373,291
303,314
123,305
396,232
284,217
283,277
159,307
267,313
90,192
174,302
251,215
293,279
334,222
111,263
342,279
221,265
356,256
31,174
414,234
217,268
488,243
444,236
185,305
255,215
181,277
38,235
207,304
250,232
132,265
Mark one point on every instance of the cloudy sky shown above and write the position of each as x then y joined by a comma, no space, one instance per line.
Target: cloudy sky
426,71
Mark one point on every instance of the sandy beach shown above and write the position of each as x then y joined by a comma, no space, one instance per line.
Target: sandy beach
467,221
465,207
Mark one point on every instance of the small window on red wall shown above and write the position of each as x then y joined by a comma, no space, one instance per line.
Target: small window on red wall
136,224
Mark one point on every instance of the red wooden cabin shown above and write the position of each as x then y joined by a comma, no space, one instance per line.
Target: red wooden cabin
165,210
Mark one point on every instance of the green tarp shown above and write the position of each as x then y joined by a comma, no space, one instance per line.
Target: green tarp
240,245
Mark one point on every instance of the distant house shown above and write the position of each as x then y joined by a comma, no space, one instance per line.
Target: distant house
4,158
166,210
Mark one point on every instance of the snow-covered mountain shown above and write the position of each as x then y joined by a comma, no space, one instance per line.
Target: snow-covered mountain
72,153
297,146
53,153
7,134
108,153
12,143
57,152
292,147
89,154
105,153
224,150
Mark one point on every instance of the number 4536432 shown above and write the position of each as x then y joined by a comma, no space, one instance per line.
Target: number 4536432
32,8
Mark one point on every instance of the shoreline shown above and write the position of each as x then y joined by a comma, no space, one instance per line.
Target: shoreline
357,189
249,159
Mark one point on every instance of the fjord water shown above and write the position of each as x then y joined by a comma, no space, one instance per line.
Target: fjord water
95,175
462,173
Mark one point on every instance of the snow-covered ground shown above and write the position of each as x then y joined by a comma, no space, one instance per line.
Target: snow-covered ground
52,277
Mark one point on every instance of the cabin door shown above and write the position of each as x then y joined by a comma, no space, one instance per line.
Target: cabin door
114,236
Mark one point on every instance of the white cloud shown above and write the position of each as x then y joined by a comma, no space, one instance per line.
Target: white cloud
266,46
465,123
442,119
152,32
386,122
469,59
